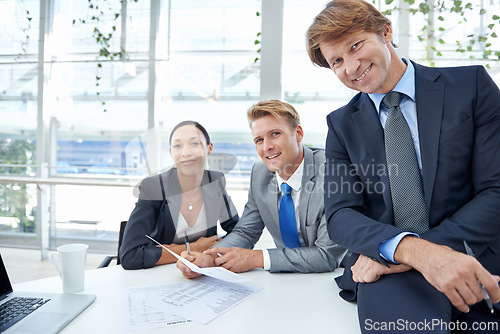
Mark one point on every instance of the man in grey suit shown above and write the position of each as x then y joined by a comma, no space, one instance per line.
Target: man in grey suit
277,135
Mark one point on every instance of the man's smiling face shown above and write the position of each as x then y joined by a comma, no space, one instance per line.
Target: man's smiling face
278,145
363,61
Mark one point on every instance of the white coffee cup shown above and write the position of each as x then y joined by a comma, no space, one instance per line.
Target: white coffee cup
70,263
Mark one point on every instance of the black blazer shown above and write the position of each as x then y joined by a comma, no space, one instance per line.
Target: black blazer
458,112
158,208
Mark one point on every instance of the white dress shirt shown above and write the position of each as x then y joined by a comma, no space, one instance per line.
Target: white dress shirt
295,182
198,230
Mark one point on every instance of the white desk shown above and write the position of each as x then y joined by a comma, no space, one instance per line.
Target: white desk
288,303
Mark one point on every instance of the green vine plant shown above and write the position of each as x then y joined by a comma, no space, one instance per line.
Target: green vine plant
258,39
432,31
25,28
104,35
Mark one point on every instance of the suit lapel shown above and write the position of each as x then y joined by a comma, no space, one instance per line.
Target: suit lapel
306,190
272,198
173,193
211,199
369,129
430,106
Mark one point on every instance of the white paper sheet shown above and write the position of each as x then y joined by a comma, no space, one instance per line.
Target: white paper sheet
137,313
203,299
216,272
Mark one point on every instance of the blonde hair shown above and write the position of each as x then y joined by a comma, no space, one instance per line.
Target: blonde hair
338,20
274,108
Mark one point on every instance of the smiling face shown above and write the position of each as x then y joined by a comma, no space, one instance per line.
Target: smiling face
278,145
189,150
366,62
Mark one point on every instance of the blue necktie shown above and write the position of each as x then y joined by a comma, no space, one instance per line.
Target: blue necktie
288,224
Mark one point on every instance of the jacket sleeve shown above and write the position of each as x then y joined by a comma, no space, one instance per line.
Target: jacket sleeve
346,211
477,219
320,253
136,251
228,214
249,228
324,255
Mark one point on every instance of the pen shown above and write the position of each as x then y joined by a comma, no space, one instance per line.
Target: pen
483,289
186,241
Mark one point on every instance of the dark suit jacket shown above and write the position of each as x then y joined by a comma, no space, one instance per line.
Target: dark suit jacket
157,211
458,112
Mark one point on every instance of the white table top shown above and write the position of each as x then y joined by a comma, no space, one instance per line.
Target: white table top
288,303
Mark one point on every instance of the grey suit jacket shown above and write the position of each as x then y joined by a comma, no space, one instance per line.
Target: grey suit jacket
319,254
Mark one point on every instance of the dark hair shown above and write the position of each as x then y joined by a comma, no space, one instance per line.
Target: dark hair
339,19
196,124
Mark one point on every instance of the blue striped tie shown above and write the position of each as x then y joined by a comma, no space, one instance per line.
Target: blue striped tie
288,224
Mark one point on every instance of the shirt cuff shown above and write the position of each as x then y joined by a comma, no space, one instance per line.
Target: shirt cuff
267,259
388,247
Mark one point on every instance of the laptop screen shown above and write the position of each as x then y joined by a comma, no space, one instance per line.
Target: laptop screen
5,286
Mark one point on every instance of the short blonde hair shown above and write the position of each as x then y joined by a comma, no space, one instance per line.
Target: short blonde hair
274,108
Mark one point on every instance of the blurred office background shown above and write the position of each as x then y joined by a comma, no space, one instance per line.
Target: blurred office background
82,121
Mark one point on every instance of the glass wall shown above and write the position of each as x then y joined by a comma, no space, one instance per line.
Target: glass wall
116,77
18,111
313,90
316,91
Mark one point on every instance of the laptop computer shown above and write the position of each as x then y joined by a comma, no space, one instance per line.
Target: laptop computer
43,312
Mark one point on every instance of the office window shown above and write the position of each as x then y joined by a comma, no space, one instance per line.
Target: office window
313,90
18,111
106,122
170,70
316,91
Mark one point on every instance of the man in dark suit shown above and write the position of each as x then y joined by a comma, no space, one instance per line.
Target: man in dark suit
452,122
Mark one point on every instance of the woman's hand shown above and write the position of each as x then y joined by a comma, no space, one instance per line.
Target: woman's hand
203,243
200,259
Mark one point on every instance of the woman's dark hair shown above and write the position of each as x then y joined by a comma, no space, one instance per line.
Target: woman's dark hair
196,124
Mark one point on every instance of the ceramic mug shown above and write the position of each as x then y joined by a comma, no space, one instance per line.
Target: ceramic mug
70,263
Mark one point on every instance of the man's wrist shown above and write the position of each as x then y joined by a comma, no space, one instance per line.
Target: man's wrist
409,250
266,259
258,258
388,247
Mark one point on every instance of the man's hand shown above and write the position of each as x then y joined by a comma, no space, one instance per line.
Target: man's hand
204,243
237,259
366,270
453,273
200,259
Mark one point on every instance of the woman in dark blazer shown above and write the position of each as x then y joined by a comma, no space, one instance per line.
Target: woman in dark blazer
187,200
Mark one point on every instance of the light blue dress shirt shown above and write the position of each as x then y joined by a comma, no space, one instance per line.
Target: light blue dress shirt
405,86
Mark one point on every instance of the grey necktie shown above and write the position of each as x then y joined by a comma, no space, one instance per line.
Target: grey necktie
408,200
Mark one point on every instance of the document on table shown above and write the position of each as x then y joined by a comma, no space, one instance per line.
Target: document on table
216,272
203,299
138,313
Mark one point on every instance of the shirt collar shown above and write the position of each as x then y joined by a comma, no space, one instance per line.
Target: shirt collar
406,85
295,180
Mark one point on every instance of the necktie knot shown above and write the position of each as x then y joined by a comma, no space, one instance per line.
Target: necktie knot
287,190
391,99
